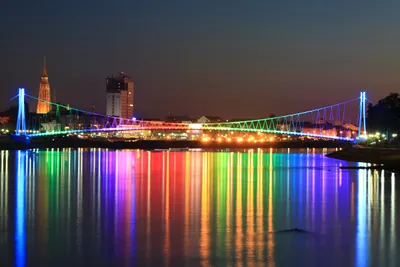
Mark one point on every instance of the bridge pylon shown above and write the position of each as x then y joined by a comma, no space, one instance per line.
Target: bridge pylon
362,124
21,123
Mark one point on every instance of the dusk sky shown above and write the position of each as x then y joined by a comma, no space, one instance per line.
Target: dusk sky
239,59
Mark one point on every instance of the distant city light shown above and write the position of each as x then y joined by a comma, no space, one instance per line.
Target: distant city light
195,126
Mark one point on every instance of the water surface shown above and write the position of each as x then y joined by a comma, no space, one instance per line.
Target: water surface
102,207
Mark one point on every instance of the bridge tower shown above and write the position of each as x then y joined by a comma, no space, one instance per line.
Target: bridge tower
21,123
362,125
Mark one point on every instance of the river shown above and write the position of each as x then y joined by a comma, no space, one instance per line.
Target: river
99,207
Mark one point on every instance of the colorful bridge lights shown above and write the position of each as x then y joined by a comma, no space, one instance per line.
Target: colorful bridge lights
315,123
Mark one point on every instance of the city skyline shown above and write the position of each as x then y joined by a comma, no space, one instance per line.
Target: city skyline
206,59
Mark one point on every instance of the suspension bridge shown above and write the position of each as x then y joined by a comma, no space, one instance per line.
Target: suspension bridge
342,121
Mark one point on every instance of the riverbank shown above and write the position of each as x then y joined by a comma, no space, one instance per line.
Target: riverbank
61,142
387,157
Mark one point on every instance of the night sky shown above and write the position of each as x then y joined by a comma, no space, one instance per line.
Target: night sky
234,59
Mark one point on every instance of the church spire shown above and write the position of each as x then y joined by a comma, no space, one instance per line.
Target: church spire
44,72
43,106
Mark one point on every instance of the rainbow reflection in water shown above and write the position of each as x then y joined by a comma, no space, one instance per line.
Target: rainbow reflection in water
95,206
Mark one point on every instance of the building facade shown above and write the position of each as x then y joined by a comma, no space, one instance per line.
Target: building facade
119,96
44,107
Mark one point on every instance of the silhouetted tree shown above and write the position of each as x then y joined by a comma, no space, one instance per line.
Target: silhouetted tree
392,101
384,116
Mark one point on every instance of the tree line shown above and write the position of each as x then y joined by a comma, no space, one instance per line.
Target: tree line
385,115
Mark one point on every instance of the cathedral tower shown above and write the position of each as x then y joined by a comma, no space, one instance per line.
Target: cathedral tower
44,107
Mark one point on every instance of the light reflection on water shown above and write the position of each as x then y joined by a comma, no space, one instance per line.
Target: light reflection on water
82,207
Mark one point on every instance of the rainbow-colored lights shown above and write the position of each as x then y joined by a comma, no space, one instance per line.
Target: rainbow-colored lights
134,207
337,122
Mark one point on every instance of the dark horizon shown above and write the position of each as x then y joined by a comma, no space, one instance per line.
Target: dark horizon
236,61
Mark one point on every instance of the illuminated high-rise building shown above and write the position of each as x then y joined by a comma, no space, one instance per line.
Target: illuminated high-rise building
119,96
44,107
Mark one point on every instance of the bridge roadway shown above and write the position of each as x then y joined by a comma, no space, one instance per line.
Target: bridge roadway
185,127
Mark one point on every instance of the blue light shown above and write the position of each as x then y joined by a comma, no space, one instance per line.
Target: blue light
134,118
362,126
20,236
21,124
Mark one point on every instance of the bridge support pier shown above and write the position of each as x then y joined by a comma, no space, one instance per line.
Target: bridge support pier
20,129
21,123
362,125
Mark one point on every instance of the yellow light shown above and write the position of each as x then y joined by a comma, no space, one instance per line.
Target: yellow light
229,139
240,140
195,126
205,139
271,139
219,139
